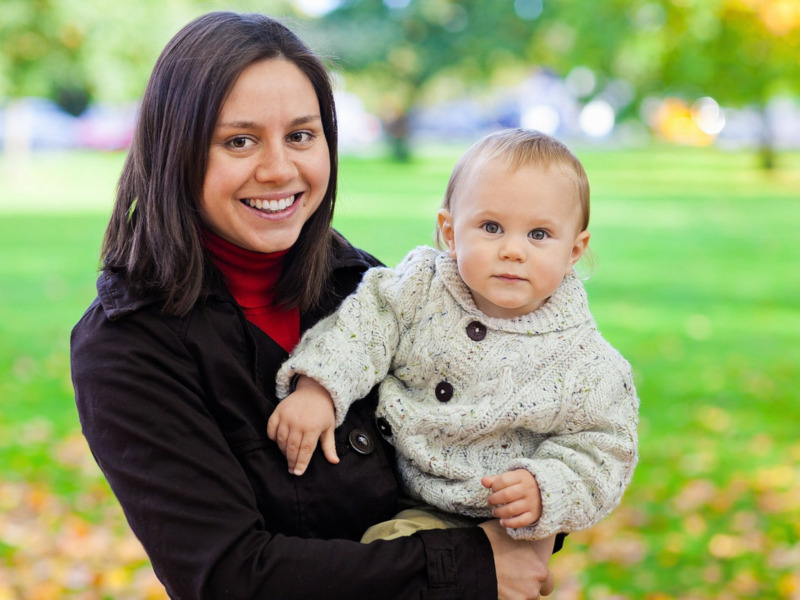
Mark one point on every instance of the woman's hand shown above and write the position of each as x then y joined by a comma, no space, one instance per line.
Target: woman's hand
521,572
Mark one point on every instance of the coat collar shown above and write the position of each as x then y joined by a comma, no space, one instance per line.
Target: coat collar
118,297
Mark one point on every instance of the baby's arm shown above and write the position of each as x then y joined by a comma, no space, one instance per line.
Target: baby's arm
300,420
516,496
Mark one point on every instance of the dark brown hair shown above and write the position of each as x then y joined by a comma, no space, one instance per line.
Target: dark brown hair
154,235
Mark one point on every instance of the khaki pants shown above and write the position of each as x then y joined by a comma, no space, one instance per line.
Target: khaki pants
411,520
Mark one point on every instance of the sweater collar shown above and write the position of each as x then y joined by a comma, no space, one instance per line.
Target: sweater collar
566,308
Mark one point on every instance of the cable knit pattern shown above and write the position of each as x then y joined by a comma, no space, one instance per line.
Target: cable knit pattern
544,392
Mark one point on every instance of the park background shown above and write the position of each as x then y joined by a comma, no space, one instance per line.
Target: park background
686,116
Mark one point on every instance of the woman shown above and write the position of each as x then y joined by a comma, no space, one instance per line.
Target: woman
219,252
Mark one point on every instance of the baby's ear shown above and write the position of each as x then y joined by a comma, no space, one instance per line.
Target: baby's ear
446,231
579,247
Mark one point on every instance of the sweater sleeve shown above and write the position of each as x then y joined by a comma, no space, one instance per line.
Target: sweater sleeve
585,464
352,350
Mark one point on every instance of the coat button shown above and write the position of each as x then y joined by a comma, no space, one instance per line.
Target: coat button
384,427
476,331
361,441
444,391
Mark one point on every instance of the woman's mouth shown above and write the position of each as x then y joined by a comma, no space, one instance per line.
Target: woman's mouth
271,206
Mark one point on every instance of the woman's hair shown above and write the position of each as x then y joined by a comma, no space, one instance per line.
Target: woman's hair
518,148
154,234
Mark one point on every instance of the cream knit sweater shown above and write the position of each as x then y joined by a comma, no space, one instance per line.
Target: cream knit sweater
543,392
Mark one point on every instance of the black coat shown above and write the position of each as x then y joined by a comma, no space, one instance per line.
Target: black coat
175,412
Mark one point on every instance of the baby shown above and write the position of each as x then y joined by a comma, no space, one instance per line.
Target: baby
496,389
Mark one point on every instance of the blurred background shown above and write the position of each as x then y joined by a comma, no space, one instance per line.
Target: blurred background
686,114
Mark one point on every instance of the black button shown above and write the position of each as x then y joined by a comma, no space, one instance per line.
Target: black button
444,391
361,441
384,427
476,331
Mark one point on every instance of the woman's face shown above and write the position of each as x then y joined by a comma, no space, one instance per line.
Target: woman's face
268,164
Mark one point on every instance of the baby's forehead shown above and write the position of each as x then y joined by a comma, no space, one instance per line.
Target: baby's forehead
500,166
473,187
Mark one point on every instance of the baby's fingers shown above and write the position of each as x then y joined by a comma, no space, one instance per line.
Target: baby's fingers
514,516
523,520
328,443
488,481
299,450
272,426
504,496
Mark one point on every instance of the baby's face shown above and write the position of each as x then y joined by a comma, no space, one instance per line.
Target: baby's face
514,234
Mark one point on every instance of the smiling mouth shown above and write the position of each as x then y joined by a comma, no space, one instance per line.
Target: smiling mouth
271,206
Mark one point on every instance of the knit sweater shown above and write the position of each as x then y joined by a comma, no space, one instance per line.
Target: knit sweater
464,395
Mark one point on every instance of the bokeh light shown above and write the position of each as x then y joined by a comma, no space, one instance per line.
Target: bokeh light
597,118
708,115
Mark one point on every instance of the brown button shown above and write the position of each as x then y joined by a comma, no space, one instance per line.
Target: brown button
444,391
476,331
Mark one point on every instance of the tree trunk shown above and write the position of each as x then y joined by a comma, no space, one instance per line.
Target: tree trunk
397,133
766,147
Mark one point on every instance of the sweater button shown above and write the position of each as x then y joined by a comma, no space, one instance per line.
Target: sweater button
444,391
383,426
361,441
476,331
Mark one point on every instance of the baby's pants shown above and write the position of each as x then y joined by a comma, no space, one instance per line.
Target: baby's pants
411,520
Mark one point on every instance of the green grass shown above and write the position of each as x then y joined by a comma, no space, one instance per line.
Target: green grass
696,282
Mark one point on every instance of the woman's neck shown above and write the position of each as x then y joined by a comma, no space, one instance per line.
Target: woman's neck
251,278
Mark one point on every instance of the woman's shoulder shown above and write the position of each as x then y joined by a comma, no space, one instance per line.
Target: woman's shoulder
117,296
119,309
348,256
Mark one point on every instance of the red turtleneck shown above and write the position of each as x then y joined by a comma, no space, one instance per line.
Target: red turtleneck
250,277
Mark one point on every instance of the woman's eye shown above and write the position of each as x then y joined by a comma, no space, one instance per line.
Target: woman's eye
491,227
538,234
300,137
240,142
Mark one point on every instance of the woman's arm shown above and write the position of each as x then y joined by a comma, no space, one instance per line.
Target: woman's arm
157,437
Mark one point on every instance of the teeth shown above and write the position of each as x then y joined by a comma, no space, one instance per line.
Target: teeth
271,205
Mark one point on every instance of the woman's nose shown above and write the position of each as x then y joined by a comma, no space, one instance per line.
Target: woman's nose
275,165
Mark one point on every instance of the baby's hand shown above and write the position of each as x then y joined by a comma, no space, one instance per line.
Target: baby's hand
516,497
300,420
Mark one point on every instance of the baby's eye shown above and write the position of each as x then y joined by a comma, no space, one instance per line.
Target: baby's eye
491,227
538,234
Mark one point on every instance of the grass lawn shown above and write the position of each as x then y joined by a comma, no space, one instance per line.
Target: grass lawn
696,282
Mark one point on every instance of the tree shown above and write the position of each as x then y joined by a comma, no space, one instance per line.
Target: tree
76,51
741,52
395,50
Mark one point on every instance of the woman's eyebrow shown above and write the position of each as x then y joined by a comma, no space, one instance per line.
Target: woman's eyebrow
254,125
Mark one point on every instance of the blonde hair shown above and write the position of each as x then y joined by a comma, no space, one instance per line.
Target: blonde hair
518,148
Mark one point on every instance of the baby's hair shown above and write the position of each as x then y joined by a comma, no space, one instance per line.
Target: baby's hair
518,148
